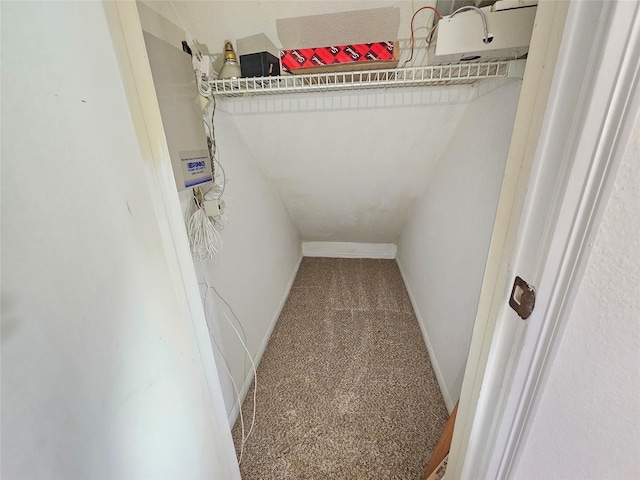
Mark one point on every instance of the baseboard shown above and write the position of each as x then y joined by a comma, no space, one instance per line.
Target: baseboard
233,415
349,250
434,361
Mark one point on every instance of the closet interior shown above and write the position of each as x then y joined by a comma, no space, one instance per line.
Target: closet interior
402,164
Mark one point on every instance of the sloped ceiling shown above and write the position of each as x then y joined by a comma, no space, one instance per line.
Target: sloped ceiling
349,175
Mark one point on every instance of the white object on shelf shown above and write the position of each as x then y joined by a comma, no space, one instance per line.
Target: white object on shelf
439,75
461,37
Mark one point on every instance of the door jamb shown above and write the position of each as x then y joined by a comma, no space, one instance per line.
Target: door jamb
535,90
591,173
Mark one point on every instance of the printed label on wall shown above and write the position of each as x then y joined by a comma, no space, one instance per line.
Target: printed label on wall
196,167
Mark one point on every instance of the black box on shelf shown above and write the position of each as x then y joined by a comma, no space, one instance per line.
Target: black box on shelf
261,64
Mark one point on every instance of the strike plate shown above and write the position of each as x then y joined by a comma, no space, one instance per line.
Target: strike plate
523,298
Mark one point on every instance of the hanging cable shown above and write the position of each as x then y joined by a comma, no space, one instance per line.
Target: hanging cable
204,239
246,436
487,38
204,88
212,132
438,16
255,374
233,382
218,186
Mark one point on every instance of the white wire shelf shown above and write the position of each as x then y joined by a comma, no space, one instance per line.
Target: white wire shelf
438,75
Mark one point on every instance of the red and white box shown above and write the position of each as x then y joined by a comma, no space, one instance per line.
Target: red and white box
343,58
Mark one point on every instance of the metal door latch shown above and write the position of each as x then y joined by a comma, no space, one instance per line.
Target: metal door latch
523,298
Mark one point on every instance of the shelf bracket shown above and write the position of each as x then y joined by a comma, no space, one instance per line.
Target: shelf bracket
516,69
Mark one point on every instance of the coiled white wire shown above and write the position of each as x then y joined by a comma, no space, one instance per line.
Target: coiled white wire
204,239
203,85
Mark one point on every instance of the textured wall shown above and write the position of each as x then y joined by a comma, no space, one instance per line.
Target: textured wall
349,174
101,372
588,422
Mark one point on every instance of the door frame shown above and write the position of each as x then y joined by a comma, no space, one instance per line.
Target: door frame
126,33
471,453
585,126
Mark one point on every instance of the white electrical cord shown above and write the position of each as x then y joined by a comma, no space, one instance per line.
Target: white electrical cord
487,36
207,118
204,239
203,236
233,382
217,188
204,88
253,366
255,386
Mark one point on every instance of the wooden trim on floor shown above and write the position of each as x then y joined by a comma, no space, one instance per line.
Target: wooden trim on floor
442,447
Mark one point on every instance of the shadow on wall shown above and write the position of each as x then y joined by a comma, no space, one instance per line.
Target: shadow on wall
350,175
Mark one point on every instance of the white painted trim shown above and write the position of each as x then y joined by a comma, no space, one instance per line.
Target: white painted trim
432,356
349,250
595,161
585,144
233,414
475,413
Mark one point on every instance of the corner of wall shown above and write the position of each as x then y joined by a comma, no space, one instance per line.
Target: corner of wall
259,260
432,357
233,414
349,250
447,234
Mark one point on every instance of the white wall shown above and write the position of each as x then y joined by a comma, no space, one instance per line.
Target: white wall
443,248
101,372
349,167
347,172
587,424
258,261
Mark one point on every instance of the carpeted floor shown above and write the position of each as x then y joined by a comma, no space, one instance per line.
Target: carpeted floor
345,386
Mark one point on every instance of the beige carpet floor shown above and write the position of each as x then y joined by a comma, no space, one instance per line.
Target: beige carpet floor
345,387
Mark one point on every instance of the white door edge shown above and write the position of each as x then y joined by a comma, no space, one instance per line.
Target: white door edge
592,177
545,44
488,434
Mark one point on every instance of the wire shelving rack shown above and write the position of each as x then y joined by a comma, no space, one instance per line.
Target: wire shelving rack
433,75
